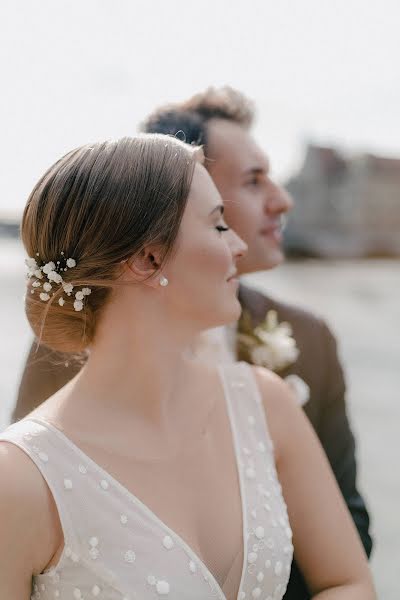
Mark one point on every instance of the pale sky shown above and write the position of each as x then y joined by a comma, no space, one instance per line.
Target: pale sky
73,72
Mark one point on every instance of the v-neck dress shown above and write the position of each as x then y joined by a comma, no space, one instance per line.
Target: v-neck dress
116,548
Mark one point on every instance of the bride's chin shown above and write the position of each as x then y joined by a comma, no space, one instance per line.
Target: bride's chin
228,311
233,314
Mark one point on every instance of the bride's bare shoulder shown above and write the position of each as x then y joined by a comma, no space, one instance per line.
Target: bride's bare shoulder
20,473
26,509
281,408
275,392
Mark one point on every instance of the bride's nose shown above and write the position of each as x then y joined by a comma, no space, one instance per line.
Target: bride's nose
237,245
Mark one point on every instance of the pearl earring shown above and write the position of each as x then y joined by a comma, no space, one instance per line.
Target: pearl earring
163,281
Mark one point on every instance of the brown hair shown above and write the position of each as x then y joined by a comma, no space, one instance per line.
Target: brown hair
101,204
189,119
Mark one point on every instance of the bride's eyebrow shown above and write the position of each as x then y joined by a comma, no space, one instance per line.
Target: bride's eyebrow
219,208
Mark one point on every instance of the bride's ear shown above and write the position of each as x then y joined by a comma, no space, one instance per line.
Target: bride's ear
144,267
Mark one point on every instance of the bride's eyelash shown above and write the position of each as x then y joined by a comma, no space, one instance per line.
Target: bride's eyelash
222,228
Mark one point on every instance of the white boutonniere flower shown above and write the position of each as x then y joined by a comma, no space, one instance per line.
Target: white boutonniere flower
299,387
272,345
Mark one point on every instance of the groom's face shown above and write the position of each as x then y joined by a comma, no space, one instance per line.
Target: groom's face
254,203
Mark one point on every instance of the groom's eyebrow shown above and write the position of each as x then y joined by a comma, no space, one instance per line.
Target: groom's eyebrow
219,208
255,171
258,168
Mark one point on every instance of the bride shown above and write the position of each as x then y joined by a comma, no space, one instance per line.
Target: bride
152,474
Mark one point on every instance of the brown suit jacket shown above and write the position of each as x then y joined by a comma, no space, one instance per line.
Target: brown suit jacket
318,365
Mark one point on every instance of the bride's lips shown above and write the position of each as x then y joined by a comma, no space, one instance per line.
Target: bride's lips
233,278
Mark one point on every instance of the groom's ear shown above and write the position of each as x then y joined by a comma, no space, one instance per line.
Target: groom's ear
144,266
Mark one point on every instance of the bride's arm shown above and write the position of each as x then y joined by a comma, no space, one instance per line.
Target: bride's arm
27,542
326,544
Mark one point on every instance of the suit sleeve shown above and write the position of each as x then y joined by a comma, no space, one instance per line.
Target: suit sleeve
338,440
45,372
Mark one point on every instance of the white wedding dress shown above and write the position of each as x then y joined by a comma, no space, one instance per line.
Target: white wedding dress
116,548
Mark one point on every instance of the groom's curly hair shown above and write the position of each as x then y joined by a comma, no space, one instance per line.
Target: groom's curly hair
189,120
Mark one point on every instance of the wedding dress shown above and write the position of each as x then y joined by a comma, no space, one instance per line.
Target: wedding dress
117,548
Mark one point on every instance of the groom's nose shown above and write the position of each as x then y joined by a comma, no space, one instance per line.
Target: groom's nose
277,200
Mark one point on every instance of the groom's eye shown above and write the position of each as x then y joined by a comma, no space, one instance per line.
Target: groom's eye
222,228
253,181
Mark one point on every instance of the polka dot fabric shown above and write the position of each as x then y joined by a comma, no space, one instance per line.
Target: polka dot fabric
116,548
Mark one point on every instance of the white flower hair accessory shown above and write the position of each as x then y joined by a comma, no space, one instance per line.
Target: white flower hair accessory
53,273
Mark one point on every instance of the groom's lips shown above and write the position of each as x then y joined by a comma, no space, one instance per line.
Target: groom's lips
273,232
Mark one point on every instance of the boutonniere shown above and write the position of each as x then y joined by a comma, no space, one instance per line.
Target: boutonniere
272,345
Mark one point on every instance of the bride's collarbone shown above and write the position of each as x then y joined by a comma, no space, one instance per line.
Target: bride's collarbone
190,434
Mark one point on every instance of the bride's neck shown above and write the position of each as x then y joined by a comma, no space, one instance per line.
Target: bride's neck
137,364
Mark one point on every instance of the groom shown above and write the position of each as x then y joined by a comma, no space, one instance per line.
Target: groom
221,119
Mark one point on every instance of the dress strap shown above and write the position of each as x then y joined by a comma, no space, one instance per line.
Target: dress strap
260,490
244,398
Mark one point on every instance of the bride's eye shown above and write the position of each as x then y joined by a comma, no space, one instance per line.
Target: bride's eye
222,228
